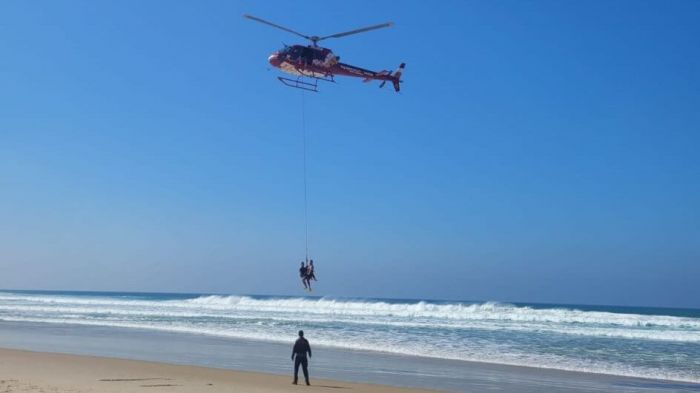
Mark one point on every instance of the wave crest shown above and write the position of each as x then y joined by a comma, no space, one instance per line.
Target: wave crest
488,311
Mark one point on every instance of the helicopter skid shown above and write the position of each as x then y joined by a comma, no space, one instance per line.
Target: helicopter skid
300,83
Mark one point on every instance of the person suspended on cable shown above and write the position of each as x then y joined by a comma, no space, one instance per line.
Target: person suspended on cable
310,272
302,274
309,275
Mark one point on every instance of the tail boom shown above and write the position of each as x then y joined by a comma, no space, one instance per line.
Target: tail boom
368,76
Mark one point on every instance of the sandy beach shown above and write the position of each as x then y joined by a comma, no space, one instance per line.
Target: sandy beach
25,371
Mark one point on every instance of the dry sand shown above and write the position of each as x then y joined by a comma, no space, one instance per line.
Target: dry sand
24,371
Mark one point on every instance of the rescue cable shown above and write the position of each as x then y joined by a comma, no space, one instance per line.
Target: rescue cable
306,219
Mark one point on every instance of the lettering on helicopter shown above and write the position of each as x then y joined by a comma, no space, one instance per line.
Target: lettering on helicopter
359,71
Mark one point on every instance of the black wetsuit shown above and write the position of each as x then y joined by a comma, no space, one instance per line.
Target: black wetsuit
301,347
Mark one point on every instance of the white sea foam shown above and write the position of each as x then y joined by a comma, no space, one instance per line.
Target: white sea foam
125,313
481,354
455,311
487,316
491,332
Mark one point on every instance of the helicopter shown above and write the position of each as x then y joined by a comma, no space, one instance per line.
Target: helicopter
321,64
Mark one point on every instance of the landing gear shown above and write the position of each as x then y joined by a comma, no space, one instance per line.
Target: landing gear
310,84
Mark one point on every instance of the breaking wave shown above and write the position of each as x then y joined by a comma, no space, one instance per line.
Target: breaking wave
492,311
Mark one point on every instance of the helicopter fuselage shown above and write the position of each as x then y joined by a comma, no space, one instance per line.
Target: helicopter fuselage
317,62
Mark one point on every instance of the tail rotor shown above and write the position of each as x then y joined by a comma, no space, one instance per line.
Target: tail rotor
395,78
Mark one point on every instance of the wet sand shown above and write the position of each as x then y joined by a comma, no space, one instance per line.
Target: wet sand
25,371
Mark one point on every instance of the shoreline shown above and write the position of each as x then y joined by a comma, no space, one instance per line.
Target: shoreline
328,364
469,363
22,370
606,340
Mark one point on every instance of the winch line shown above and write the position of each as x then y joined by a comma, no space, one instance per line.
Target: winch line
306,215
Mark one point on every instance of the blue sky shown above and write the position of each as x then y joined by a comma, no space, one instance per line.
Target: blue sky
540,150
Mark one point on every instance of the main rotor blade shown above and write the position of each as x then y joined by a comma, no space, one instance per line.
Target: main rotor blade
255,18
362,30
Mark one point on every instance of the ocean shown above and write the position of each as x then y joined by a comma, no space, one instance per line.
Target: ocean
657,343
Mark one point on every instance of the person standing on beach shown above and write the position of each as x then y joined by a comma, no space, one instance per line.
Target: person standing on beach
301,347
